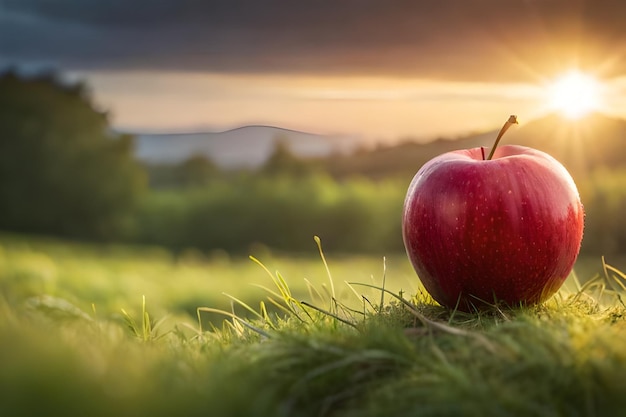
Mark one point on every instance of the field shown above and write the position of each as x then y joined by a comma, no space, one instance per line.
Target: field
112,330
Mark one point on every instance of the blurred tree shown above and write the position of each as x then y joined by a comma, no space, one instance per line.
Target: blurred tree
284,161
197,170
62,170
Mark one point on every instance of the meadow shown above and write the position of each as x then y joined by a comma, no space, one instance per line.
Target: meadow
106,330
177,319
112,277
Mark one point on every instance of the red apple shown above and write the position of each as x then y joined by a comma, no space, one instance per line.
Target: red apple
483,231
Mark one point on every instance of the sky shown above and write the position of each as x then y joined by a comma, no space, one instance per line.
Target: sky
384,69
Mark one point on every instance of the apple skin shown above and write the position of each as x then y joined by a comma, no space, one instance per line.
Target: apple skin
480,232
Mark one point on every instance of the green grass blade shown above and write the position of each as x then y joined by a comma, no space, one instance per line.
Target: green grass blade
318,241
236,319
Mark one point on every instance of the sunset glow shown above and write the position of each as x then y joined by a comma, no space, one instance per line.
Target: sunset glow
383,71
575,94
382,109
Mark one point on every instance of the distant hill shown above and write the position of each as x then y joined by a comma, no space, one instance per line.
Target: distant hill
245,147
581,146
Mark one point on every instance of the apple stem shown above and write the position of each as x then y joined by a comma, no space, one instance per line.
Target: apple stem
482,152
512,121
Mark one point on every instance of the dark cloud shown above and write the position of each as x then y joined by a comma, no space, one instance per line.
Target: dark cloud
460,39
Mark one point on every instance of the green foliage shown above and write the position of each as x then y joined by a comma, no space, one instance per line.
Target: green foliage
193,172
281,212
355,215
283,162
61,170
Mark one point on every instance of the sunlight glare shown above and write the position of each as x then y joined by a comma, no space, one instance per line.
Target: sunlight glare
575,94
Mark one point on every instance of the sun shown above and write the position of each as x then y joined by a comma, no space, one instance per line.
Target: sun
575,94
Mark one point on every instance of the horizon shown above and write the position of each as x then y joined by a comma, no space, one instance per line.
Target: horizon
250,146
463,135
469,117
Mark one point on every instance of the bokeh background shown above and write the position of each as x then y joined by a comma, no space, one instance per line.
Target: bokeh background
238,127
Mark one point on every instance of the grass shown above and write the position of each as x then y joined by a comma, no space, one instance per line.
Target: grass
68,348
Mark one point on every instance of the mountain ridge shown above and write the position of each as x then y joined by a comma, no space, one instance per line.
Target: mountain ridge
242,147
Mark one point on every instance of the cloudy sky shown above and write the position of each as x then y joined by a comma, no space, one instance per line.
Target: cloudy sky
383,68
